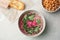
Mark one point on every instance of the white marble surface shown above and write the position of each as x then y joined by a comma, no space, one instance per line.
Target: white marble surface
10,31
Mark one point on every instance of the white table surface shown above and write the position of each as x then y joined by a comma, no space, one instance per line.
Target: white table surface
10,31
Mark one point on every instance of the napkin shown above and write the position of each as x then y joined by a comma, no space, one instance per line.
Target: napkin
11,13
4,3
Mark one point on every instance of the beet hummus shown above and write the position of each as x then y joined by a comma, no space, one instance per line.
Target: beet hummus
30,23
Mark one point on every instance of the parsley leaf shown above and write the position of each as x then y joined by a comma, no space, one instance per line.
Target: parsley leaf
31,17
38,21
25,27
30,31
36,29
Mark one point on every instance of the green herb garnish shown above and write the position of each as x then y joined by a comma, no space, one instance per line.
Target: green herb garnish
25,17
36,29
24,21
31,17
38,21
30,31
25,26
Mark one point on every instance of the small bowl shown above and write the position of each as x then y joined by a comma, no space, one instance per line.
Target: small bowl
42,19
48,10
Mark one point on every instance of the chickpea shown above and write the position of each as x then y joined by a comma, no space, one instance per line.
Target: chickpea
50,5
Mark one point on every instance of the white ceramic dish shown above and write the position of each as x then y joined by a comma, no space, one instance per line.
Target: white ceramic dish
43,24
49,11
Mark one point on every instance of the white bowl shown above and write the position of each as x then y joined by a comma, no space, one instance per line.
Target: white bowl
43,24
48,10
